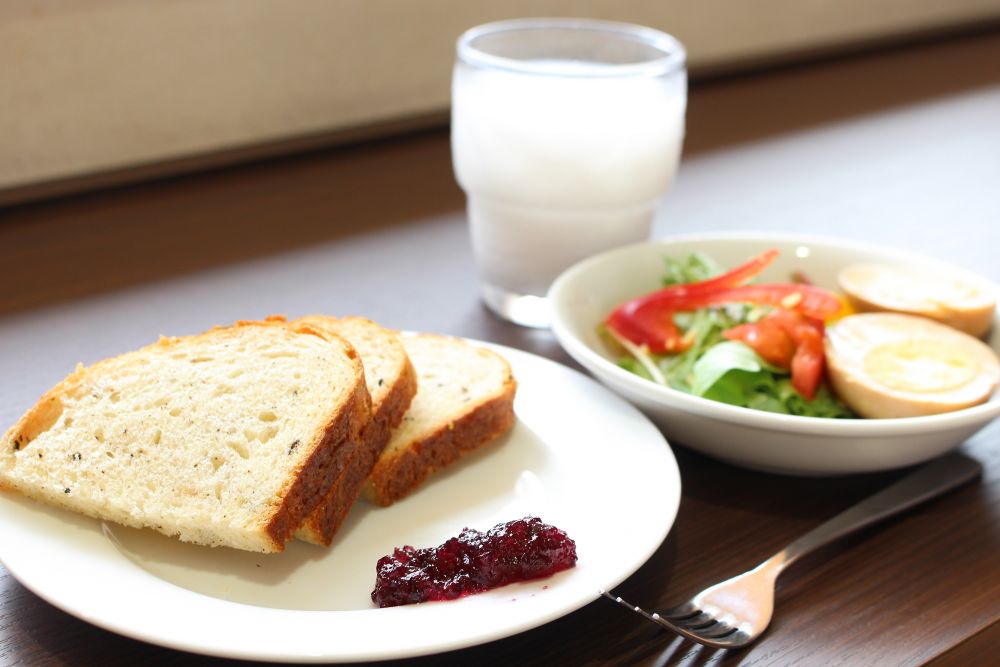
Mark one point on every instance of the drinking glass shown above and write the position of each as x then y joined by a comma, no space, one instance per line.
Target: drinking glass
565,133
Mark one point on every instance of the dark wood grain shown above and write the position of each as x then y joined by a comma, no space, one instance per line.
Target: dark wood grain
922,588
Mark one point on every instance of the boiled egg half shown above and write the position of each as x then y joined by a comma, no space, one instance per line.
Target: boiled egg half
893,365
956,300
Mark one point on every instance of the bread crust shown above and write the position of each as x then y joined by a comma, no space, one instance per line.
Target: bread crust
334,447
396,475
31,423
347,488
322,523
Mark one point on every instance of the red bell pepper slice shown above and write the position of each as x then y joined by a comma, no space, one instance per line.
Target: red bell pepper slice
654,328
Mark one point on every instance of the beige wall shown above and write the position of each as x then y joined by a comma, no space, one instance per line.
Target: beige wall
88,86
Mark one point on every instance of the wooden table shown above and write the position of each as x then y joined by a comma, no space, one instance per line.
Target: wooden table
899,147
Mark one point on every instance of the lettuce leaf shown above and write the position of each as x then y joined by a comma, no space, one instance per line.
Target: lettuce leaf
719,360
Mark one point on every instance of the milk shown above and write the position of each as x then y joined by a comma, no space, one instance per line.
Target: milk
557,168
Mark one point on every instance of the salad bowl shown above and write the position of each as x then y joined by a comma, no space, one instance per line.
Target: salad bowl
583,296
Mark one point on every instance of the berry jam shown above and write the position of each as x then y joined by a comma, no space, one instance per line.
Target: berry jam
473,562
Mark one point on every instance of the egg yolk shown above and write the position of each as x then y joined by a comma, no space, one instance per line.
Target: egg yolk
919,366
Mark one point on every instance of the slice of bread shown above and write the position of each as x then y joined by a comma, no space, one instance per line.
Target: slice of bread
465,399
225,438
392,383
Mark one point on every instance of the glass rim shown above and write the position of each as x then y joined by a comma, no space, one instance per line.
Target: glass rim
672,59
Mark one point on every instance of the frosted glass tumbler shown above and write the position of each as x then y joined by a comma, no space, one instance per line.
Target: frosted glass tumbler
565,133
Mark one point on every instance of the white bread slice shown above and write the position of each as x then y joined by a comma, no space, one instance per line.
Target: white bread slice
392,383
225,438
465,399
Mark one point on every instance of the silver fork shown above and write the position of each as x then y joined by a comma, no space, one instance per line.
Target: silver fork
736,612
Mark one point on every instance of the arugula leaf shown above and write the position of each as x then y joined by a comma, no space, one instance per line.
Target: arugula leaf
693,268
823,404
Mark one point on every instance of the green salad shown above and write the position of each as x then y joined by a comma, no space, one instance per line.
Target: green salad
714,365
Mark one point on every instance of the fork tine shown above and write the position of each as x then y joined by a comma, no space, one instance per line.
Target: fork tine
696,622
702,623
719,630
681,611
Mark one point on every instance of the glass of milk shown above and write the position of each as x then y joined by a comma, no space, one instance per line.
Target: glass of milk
565,133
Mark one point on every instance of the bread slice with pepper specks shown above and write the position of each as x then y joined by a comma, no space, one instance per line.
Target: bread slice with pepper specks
225,438
392,383
465,399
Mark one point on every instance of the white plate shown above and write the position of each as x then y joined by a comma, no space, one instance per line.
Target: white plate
584,295
579,457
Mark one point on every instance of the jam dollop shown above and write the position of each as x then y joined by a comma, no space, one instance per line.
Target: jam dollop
473,562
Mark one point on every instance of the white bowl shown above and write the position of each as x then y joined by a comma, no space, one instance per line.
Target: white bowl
584,295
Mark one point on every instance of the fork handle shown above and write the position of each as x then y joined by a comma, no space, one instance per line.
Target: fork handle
921,485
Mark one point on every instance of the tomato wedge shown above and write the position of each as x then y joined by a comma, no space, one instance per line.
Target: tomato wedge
808,363
766,338
788,339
